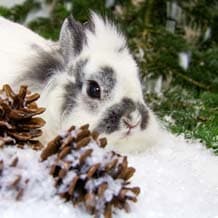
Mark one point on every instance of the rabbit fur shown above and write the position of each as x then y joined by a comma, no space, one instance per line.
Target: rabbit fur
88,76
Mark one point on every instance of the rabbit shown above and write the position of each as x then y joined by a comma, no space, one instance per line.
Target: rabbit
87,76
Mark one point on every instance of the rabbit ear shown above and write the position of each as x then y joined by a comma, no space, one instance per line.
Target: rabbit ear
72,38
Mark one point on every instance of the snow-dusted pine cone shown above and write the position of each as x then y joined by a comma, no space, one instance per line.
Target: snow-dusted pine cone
18,124
89,175
11,182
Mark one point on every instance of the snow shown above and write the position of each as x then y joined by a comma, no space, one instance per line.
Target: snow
109,3
168,119
43,12
184,60
158,86
68,6
180,180
177,179
11,3
207,34
174,15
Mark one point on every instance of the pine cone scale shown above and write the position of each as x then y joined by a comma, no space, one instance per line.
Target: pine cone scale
33,123
32,98
6,125
52,148
83,142
84,155
1,166
9,92
73,185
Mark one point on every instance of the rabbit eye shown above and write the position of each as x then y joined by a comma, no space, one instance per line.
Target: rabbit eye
93,89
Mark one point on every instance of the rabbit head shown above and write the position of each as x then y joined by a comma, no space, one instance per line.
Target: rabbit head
100,85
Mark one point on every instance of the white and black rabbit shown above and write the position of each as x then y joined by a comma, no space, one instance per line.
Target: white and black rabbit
88,76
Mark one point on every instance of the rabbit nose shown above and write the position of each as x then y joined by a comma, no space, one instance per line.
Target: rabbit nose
132,119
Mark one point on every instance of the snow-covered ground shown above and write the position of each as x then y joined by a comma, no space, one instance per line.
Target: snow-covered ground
178,179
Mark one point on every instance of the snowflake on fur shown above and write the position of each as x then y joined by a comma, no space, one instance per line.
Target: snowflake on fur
89,175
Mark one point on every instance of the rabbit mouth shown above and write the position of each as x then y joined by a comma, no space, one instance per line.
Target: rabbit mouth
126,115
130,127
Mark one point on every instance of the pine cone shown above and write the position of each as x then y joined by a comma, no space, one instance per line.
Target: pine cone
18,124
89,175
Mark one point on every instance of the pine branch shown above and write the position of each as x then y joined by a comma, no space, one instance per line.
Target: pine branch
148,12
194,82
